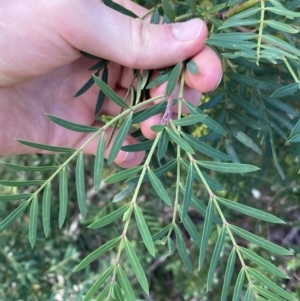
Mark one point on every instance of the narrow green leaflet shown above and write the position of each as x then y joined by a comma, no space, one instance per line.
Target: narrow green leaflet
28,168
227,167
14,197
296,129
182,250
284,121
259,214
158,172
119,139
228,274
63,197
99,161
204,148
117,293
98,284
160,79
190,228
108,219
169,12
101,95
260,241
249,81
235,23
208,121
21,183
282,106
158,187
111,94
268,294
189,120
123,175
174,76
242,118
179,141
104,294
231,152
262,263
142,146
76,127
201,208
13,216
86,86
163,145
170,247
271,285
286,90
283,11
232,40
246,105
192,67
136,266
216,8
120,196
188,190
238,285
157,128
46,147
278,129
295,138
244,14
215,257
206,232
99,65
155,17
140,116
125,284
97,253
80,184
161,233
213,102
281,26
248,295
144,231
89,56
281,44
46,209
275,157
34,210
121,9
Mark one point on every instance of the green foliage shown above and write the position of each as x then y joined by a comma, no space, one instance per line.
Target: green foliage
176,192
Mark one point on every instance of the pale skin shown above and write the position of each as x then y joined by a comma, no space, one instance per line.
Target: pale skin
41,67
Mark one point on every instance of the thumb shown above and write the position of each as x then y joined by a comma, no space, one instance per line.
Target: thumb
130,42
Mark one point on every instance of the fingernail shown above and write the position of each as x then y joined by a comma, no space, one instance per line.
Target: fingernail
187,31
217,83
128,156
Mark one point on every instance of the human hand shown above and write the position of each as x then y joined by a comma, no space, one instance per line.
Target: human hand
41,67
